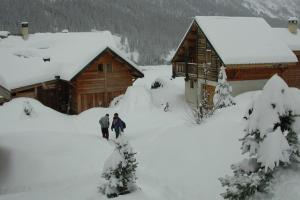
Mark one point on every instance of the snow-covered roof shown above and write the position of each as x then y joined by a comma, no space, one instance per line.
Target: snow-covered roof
293,19
22,64
291,39
244,40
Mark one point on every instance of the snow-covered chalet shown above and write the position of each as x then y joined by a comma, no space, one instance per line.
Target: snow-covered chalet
248,47
69,72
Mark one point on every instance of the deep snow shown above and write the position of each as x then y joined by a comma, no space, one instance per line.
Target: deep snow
55,156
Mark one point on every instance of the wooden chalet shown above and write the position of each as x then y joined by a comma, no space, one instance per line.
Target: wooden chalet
245,46
82,77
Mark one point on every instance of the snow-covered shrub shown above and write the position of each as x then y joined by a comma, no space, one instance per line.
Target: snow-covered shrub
157,84
119,170
27,108
222,97
245,182
203,110
270,141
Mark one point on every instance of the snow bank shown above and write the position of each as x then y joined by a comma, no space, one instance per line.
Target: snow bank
4,34
136,98
42,118
54,156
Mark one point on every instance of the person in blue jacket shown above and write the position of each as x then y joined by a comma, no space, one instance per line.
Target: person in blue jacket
118,125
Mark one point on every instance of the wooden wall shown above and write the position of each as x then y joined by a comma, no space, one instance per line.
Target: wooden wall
93,88
196,48
54,94
289,72
292,74
252,72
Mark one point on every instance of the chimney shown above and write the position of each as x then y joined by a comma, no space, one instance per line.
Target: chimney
24,30
293,25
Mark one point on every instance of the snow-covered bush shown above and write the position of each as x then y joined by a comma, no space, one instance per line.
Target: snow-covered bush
28,109
203,110
270,141
157,84
222,97
246,181
119,170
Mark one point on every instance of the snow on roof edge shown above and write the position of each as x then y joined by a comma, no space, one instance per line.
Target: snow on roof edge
116,51
183,38
119,53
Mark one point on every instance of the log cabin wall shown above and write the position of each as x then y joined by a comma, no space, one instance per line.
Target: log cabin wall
98,84
253,72
196,49
289,72
207,54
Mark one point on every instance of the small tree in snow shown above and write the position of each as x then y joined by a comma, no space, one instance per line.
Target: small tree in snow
269,140
119,170
222,97
203,109
27,108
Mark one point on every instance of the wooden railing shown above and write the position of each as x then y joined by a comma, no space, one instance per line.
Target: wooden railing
196,70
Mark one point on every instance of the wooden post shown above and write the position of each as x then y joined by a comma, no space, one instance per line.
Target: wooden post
186,60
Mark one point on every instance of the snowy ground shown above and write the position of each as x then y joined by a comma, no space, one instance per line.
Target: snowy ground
55,156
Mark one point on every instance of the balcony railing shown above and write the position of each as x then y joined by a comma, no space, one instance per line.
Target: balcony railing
195,70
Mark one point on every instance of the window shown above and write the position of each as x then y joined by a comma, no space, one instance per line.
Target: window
109,67
105,67
100,68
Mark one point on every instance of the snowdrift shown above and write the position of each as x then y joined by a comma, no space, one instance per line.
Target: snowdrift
55,156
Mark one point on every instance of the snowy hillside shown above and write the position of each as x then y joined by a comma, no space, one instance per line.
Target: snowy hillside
153,27
54,156
273,8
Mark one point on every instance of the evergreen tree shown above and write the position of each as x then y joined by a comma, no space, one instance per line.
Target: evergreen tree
270,141
119,170
203,110
222,97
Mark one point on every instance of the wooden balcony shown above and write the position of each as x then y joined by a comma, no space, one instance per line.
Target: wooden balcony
194,70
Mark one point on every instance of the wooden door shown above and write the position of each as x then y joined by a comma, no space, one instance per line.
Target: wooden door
92,100
49,97
210,89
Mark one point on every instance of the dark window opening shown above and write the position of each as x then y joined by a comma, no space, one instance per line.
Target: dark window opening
100,68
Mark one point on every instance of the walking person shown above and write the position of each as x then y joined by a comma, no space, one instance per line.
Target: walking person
118,125
104,123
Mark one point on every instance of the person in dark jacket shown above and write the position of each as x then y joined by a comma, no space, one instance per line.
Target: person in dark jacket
118,125
104,123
